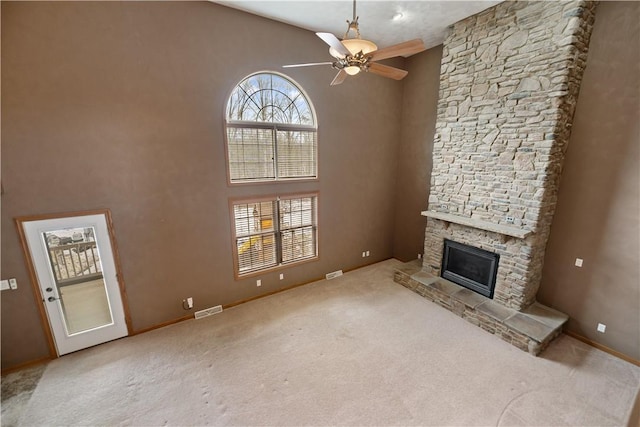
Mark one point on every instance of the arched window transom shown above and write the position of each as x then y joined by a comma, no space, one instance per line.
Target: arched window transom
271,131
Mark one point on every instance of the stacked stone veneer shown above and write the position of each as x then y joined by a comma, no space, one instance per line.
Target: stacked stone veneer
510,78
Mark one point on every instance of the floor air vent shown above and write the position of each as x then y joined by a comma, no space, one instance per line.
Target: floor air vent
208,312
333,274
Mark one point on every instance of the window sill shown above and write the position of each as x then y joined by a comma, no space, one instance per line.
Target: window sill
272,181
250,274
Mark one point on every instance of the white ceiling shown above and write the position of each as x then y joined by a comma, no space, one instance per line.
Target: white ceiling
427,20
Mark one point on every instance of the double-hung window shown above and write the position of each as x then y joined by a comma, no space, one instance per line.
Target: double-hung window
271,131
274,231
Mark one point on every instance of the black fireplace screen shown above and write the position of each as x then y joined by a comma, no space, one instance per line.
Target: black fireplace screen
470,267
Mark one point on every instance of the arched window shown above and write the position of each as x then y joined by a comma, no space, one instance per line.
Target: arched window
271,131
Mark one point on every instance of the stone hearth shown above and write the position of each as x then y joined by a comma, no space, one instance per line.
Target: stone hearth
509,82
531,329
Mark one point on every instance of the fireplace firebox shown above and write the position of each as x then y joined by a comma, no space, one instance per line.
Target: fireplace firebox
471,267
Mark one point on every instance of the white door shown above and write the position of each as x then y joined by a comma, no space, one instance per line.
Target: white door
76,272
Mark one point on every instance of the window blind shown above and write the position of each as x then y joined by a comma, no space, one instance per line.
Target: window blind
272,232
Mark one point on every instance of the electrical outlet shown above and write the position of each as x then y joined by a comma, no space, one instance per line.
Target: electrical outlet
419,256
510,219
578,262
364,254
13,284
281,276
368,253
259,282
602,327
190,302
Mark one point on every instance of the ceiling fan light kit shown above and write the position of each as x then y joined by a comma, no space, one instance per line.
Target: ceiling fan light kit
356,54
352,70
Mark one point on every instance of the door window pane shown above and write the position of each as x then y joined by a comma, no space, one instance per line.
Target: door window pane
75,266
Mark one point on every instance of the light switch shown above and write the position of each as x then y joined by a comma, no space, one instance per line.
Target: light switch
578,262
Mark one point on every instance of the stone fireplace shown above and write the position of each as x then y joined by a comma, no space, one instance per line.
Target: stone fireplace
509,82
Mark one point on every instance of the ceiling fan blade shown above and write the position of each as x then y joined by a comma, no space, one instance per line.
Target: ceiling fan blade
387,71
339,78
310,64
401,49
334,42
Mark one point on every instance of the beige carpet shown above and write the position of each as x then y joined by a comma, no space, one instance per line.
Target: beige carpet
356,350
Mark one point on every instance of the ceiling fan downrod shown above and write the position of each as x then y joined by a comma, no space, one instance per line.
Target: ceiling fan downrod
353,24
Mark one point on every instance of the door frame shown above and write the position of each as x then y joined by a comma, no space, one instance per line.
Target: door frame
37,293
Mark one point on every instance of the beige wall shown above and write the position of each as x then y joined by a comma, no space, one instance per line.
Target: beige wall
598,212
120,105
419,108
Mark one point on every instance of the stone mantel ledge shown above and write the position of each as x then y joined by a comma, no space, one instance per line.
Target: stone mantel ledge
504,230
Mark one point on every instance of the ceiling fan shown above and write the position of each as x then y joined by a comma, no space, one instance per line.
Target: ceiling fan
356,54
